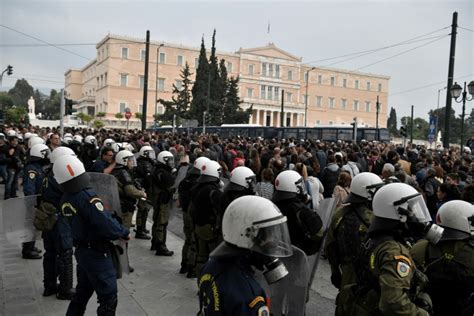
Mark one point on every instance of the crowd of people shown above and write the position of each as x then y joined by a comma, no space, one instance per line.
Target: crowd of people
409,206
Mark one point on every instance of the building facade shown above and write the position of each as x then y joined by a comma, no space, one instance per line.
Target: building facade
312,96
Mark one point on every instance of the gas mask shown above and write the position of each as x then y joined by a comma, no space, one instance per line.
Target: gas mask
273,269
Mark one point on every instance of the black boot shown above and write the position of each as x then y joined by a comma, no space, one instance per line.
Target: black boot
107,308
183,269
141,234
161,250
50,290
65,292
29,252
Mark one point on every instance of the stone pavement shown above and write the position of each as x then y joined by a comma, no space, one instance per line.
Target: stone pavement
155,288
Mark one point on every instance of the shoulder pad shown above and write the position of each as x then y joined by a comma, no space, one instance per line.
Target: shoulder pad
97,202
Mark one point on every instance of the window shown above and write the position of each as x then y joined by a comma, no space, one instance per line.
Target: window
319,101
367,106
290,75
289,97
162,59
196,62
161,84
332,104
123,80
380,88
331,122
320,79
277,94
333,81
270,70
344,104
98,82
263,92
123,105
124,52
178,84
251,70
356,105
142,54
101,80
179,61
249,93
277,71
105,79
344,83
141,81
318,122
229,66
368,85
356,84
264,69
270,93
306,75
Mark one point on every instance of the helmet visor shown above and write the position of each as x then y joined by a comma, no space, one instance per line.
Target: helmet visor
150,154
169,160
371,189
416,206
300,186
272,238
131,161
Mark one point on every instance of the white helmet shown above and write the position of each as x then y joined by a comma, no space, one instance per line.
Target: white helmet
116,147
128,146
198,163
255,223
35,140
12,133
60,151
166,158
210,171
466,150
68,135
78,138
40,151
363,187
67,139
90,139
458,217
289,184
2,135
399,200
67,168
123,156
27,135
147,152
109,142
242,178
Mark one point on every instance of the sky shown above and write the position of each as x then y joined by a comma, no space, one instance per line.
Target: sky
313,30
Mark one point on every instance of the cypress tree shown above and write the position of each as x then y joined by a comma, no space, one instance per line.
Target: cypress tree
392,122
200,88
233,113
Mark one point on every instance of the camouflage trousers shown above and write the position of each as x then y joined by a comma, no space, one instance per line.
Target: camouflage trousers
142,214
161,215
188,253
206,242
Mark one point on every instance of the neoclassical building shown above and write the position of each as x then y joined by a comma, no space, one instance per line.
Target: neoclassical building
114,81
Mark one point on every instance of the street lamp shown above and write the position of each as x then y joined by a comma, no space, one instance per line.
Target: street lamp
456,91
306,98
156,88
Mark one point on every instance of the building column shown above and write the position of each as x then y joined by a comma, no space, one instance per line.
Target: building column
291,118
271,117
257,117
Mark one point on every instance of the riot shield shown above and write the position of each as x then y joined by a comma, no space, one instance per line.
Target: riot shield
288,296
325,211
18,215
105,185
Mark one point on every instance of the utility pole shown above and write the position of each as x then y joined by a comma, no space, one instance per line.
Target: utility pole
156,88
452,55
306,98
282,112
62,107
411,125
145,85
377,110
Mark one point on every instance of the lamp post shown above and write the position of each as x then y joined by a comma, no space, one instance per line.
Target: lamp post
456,91
437,116
377,111
156,88
306,98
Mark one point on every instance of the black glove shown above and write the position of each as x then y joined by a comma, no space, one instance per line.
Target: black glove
423,300
336,279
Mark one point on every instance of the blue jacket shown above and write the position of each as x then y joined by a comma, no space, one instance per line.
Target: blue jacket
32,178
89,221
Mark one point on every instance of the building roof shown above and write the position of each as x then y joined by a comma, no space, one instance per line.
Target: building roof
264,50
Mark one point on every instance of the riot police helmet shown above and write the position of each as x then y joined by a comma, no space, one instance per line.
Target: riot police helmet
211,171
33,140
147,152
288,184
70,174
40,151
198,163
458,218
109,142
125,158
166,158
77,138
61,151
90,139
363,187
242,178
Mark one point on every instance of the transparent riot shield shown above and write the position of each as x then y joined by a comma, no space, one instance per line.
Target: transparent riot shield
288,296
18,215
325,211
105,185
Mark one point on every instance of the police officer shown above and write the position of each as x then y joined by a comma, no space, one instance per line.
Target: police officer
227,285
348,228
142,173
388,281
163,178
205,198
76,144
305,226
92,230
32,179
89,151
449,264
184,195
128,192
56,234
242,182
